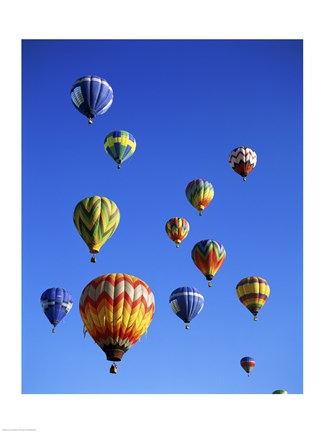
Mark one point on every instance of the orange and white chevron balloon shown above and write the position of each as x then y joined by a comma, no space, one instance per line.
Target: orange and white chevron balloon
116,310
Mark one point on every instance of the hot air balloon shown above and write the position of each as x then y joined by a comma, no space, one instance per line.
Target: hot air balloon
56,304
186,303
208,255
96,219
177,229
247,364
253,292
120,145
200,194
116,310
92,96
280,392
242,160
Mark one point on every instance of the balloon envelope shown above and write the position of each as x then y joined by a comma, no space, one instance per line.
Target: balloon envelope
177,229
92,96
208,256
247,364
120,145
242,160
253,292
280,392
116,310
200,193
96,219
186,303
56,304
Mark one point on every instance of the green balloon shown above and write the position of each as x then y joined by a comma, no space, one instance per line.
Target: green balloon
280,392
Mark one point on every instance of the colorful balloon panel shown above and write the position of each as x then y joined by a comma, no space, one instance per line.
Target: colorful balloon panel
253,292
92,96
200,193
120,145
116,310
242,160
56,304
247,363
208,256
186,303
280,392
177,229
96,219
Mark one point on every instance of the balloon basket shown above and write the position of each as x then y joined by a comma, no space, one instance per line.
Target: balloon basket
113,369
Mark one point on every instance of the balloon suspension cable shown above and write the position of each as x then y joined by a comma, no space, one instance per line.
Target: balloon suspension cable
93,259
84,331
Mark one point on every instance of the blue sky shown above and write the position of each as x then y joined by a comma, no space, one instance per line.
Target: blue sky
188,103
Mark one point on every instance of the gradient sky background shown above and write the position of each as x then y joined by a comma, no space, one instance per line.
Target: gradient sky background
233,327
188,103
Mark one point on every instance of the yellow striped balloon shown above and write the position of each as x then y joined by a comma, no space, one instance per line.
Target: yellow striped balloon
253,292
177,229
116,310
96,219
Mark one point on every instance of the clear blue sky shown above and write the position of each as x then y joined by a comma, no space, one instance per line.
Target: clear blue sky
188,103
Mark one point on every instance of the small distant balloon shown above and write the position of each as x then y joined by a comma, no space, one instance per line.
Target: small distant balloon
247,364
280,392
186,303
56,304
208,256
91,96
200,193
253,292
242,160
120,145
177,229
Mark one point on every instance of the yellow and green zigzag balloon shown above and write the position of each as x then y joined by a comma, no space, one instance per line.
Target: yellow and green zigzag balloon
96,219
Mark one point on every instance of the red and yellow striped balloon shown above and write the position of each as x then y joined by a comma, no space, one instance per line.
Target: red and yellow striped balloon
209,256
253,292
177,229
116,310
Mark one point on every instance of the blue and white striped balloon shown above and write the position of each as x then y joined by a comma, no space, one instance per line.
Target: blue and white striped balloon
56,304
186,303
92,96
